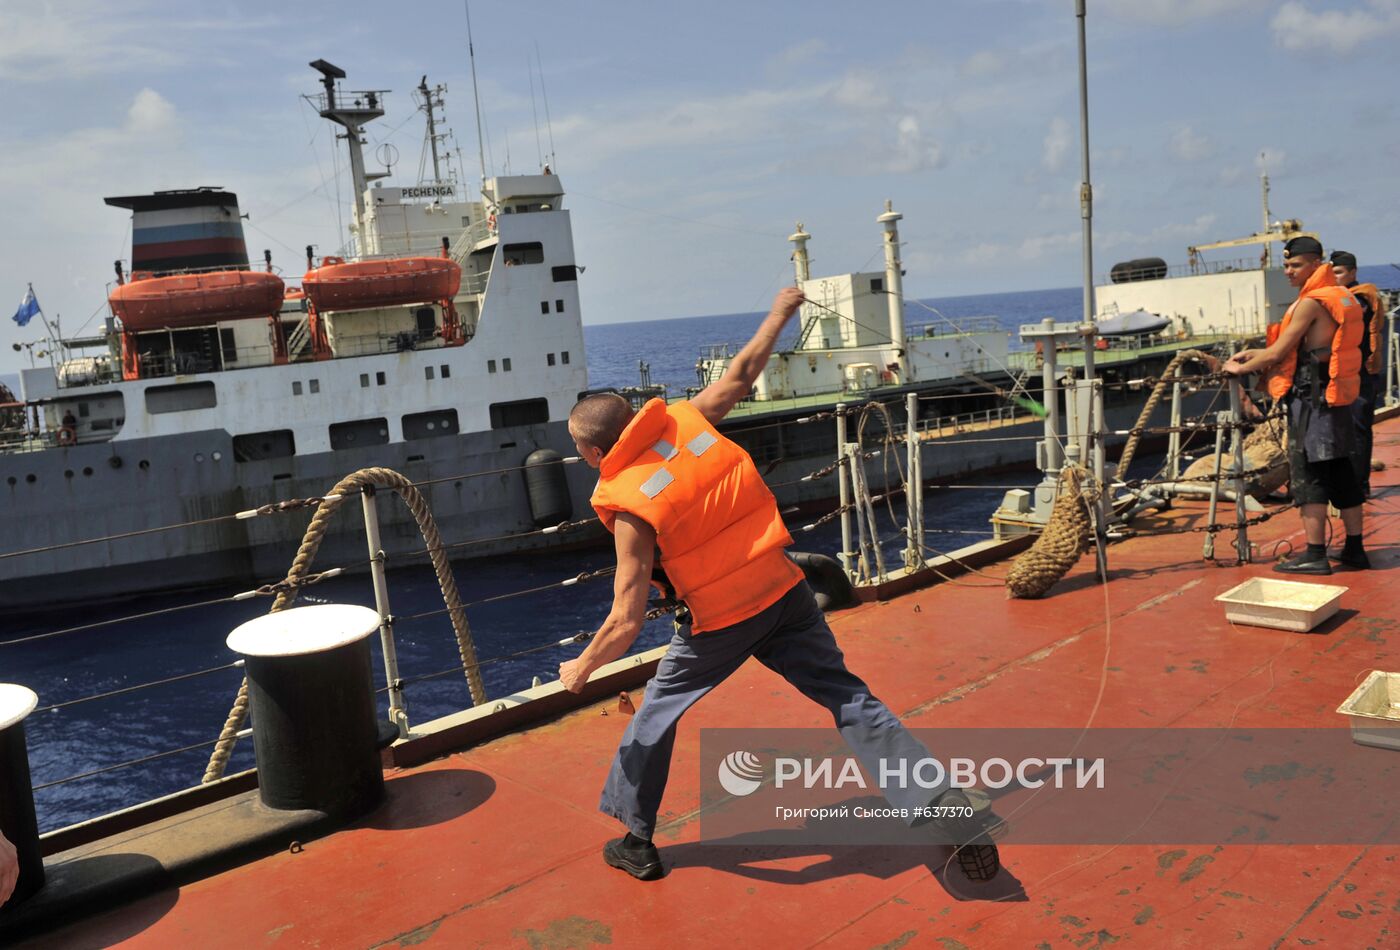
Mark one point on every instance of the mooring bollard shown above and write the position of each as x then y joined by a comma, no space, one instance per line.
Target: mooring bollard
17,819
315,734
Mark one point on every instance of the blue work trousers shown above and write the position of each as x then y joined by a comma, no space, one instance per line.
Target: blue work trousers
792,639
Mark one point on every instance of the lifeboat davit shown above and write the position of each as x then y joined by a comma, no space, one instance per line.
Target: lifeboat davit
190,300
361,285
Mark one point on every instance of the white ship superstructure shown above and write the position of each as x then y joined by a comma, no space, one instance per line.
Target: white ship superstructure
1237,298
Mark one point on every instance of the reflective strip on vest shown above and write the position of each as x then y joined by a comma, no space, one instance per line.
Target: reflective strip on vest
657,483
665,449
700,443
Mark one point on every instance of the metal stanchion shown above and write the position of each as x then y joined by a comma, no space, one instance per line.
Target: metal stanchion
398,709
912,552
843,481
1208,546
1237,450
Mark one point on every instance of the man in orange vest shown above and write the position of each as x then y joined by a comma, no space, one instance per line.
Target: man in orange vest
668,480
1314,366
1364,409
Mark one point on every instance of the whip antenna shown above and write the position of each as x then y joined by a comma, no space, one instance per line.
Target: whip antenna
471,55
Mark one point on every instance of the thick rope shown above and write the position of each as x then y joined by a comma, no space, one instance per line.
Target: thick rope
1265,456
1065,538
1130,447
350,486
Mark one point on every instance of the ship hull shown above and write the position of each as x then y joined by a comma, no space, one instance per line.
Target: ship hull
125,487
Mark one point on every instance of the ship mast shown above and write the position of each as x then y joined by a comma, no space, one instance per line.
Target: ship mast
431,99
362,107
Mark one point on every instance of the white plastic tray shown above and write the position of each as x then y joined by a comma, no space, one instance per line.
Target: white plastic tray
1374,711
1283,605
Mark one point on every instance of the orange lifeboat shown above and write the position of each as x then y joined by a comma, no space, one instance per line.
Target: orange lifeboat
189,300
360,285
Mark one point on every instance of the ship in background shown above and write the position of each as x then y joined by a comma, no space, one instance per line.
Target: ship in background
446,339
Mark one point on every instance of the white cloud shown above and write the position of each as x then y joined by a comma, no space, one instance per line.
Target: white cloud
982,64
1187,145
797,55
150,112
860,89
912,151
1295,27
50,41
1176,12
1057,143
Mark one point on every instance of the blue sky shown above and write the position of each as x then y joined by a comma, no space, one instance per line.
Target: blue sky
691,137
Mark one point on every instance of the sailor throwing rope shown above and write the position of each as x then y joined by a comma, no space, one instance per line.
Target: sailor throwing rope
668,480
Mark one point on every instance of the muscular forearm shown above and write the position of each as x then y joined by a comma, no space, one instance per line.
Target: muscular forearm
611,641
751,360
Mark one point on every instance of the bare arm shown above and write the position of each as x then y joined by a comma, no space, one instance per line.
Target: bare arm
1253,361
716,399
636,544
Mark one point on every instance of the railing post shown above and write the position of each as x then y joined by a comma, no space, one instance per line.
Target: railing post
1174,437
1208,547
1392,368
843,481
398,710
912,552
919,499
1237,450
17,819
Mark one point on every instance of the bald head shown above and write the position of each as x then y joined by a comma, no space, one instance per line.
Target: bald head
599,420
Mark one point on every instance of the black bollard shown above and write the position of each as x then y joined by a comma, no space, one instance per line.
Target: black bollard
312,705
17,819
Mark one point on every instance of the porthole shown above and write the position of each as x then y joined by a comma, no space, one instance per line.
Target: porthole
143,465
199,456
87,471
217,456
12,480
30,478
68,473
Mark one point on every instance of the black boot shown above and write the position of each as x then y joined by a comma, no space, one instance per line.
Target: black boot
1311,561
977,854
1352,554
637,856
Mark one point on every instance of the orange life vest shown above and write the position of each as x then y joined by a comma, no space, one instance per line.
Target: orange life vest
1372,296
716,522
1344,368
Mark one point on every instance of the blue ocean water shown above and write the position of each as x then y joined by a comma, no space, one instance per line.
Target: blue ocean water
672,347
78,739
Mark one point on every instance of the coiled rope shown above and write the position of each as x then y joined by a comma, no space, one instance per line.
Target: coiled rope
353,484
1065,538
1130,447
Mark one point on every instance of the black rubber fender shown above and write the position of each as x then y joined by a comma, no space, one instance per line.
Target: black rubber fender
827,580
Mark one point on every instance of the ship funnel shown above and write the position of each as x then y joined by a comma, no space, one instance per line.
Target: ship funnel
192,229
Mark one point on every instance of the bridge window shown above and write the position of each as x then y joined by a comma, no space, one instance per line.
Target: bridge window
180,398
529,253
257,446
522,412
565,272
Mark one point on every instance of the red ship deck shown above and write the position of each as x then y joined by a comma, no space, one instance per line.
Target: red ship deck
499,845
